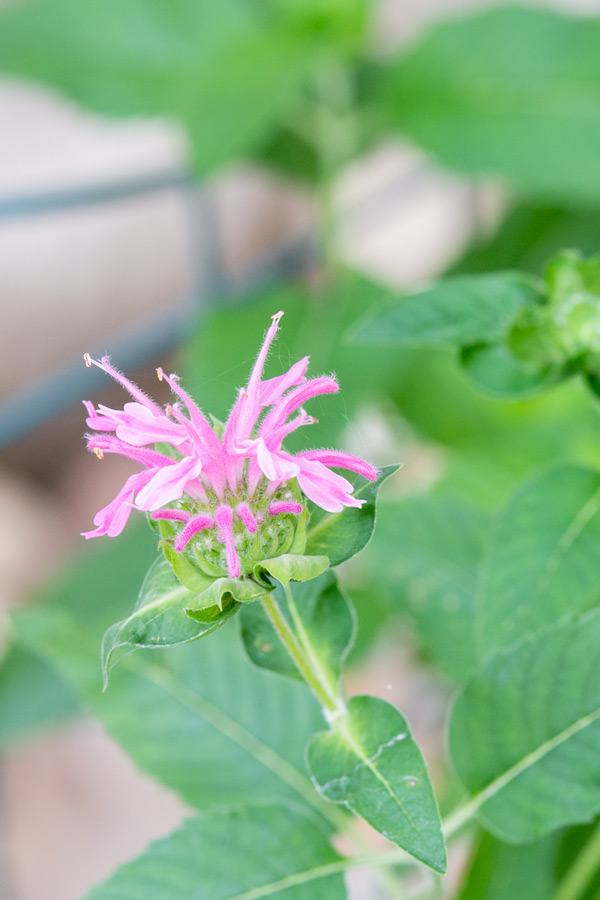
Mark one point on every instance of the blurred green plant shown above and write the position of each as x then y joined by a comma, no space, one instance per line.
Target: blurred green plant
493,570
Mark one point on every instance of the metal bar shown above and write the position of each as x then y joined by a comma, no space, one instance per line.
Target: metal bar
24,205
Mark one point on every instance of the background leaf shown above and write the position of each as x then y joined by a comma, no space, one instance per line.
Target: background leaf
227,72
542,560
342,535
370,763
228,723
214,857
500,870
423,565
521,104
326,616
462,310
33,696
525,733
495,369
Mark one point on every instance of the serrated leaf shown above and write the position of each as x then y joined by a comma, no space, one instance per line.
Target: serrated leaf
522,103
463,310
213,856
370,763
159,618
339,536
204,696
290,567
327,621
542,558
525,733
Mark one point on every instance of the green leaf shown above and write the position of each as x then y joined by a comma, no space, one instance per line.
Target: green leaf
222,593
525,735
207,64
204,697
370,763
159,618
327,620
499,871
290,567
189,575
494,369
463,310
33,697
340,536
424,564
257,851
523,103
542,557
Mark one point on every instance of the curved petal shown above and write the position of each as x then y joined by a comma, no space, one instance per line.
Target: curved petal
341,460
325,488
168,483
112,519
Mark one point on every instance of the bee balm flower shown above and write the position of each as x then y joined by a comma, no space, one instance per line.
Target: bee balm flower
226,498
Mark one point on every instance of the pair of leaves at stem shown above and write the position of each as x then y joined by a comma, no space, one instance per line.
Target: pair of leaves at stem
178,603
515,334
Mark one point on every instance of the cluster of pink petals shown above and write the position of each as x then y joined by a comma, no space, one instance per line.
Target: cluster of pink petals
232,466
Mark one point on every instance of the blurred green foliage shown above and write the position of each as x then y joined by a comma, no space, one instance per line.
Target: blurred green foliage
301,86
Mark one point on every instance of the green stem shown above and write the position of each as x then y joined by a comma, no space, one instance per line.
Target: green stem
324,679
582,871
289,641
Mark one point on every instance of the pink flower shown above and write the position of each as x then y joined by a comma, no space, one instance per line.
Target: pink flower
227,493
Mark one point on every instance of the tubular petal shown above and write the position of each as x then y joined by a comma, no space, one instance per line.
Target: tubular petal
282,506
198,523
341,461
224,519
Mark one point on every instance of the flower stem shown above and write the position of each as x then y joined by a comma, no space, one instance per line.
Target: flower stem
288,639
582,871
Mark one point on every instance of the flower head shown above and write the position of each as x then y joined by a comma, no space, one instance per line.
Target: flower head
224,497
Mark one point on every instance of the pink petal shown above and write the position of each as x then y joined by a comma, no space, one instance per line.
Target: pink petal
111,520
105,364
247,407
282,506
111,444
272,390
168,483
325,488
198,523
277,467
224,519
295,398
342,461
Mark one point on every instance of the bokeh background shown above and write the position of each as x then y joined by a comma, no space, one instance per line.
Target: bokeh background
171,174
